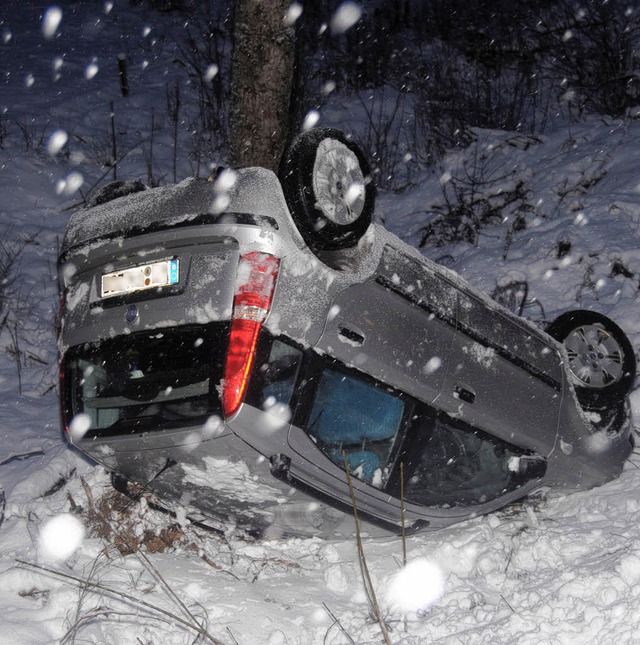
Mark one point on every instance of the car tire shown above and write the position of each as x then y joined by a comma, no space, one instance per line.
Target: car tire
328,188
601,359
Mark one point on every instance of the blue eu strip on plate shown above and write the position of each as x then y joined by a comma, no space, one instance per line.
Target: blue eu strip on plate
174,271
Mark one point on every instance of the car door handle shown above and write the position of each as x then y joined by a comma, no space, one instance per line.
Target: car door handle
464,394
351,335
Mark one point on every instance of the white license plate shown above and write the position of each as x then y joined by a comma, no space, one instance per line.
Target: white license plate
145,276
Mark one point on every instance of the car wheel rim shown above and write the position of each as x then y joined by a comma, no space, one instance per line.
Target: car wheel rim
338,182
595,356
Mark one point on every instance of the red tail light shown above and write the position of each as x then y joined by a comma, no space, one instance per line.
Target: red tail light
255,283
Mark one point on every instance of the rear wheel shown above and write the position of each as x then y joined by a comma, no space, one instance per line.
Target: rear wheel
327,184
601,358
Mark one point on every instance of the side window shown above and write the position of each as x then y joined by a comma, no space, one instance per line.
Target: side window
277,375
351,415
449,465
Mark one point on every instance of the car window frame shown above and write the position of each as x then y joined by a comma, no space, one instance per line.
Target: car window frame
305,390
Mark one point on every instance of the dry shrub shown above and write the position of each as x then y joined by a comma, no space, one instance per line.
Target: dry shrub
127,524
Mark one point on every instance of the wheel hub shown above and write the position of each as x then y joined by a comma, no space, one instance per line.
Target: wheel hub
595,357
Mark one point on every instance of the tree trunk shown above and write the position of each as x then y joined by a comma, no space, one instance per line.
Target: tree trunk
261,81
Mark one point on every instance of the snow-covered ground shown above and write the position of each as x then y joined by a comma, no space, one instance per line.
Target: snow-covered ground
555,570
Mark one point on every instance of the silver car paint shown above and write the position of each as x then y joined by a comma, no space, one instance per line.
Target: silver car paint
419,327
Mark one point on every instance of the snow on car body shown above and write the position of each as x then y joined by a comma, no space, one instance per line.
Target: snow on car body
225,350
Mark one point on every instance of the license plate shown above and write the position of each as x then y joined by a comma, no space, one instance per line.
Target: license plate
145,276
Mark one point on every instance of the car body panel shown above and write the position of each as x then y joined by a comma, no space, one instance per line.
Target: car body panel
204,261
362,329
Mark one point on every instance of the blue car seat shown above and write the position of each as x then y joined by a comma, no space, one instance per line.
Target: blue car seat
348,415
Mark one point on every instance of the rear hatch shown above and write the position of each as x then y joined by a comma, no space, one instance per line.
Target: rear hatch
145,329
148,286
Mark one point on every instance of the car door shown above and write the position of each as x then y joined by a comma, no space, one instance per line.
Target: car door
504,377
396,327
385,341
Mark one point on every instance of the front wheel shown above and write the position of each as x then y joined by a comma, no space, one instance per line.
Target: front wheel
601,358
328,188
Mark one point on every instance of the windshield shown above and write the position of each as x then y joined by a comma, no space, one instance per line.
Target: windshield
449,464
147,380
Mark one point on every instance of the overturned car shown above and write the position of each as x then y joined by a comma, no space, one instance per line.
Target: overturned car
241,347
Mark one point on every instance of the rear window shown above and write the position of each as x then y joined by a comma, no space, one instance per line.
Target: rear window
147,380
